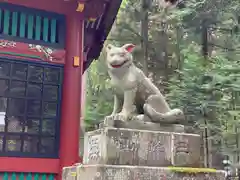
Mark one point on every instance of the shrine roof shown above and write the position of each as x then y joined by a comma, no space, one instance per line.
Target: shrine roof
101,28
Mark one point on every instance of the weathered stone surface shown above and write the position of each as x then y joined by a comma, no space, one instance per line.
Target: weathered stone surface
110,172
69,173
138,147
142,123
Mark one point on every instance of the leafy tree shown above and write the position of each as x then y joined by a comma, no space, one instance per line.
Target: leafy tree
193,57
99,101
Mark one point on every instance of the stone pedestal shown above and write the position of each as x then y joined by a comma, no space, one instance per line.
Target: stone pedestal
129,154
114,146
113,172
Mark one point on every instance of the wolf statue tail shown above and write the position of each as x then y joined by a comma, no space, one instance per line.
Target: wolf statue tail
156,110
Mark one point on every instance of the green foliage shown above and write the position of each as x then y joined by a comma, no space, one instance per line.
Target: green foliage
98,100
206,88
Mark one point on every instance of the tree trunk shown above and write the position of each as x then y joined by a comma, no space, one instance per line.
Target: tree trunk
144,34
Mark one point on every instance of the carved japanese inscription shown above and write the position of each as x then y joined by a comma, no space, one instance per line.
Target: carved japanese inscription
94,149
145,148
186,150
138,148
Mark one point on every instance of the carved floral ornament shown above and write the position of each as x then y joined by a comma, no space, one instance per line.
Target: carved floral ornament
19,49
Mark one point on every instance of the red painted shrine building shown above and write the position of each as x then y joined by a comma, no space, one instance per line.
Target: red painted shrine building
45,47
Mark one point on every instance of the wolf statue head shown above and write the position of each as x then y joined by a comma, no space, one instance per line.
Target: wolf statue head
119,57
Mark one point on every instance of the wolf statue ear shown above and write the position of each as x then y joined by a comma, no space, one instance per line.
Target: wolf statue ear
109,47
129,47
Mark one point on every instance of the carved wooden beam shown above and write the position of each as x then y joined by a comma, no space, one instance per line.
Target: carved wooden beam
92,9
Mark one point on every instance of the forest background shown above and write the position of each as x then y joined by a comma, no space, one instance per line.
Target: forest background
193,55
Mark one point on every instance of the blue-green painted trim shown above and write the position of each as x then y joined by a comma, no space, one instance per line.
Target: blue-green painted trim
57,22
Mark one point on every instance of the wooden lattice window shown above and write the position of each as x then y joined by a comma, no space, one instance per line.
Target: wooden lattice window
30,96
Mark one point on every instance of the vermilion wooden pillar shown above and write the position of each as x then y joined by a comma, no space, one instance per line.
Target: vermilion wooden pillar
71,102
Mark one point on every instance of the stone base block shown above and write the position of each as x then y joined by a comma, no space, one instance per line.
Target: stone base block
110,172
135,123
140,147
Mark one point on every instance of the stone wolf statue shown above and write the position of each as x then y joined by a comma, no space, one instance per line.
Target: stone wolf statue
134,93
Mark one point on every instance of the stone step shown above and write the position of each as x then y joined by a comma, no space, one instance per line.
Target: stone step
114,172
114,146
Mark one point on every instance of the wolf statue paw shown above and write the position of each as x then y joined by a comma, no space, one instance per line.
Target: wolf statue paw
109,121
116,120
121,117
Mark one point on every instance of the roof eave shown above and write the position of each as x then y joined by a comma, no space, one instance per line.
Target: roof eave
102,32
